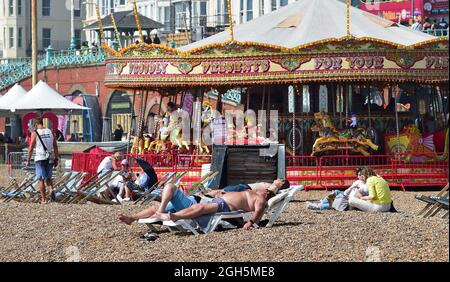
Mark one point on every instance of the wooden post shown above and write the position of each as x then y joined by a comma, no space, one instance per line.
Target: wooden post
34,42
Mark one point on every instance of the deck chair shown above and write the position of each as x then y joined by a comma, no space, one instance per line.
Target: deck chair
433,206
154,193
71,185
88,187
277,203
275,207
18,193
95,194
15,186
57,181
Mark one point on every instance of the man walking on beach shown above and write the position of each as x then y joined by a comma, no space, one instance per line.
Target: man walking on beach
46,156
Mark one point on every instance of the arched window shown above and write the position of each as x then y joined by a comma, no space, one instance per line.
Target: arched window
120,110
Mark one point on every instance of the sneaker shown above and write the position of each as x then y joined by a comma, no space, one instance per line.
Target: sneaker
313,206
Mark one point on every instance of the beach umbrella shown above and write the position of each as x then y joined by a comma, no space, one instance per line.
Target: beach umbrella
149,170
44,98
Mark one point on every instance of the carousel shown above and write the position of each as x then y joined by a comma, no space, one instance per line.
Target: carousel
344,82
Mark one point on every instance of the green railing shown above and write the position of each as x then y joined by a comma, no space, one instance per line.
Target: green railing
15,70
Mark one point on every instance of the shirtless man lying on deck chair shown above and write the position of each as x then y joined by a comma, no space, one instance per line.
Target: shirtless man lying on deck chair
175,205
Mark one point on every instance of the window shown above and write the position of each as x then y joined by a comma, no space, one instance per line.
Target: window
274,5
203,8
167,18
11,7
46,37
283,3
241,11
11,37
111,6
261,7
249,10
46,8
77,8
19,37
122,2
77,37
19,7
103,7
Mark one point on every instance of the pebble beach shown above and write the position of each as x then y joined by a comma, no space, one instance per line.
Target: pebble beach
91,232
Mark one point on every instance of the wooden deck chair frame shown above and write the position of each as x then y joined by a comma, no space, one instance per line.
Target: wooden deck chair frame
71,185
57,181
439,204
15,187
431,207
84,190
27,185
101,187
70,194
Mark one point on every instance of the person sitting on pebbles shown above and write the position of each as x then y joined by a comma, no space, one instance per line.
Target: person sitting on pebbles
379,198
176,205
358,189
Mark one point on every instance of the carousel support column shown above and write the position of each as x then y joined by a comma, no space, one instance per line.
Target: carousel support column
248,99
293,123
346,97
263,97
341,104
131,122
333,99
106,131
368,109
441,96
160,104
397,127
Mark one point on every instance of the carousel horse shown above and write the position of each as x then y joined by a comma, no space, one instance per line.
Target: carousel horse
158,144
354,139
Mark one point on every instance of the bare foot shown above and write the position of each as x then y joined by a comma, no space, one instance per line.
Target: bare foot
125,219
162,216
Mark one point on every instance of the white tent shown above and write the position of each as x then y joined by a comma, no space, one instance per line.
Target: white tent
43,98
13,95
308,21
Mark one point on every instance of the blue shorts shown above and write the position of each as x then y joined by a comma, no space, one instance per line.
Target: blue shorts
236,188
179,201
43,170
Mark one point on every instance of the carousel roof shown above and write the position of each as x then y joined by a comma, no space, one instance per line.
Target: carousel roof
309,21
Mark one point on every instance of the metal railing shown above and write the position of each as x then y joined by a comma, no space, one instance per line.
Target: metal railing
437,32
15,70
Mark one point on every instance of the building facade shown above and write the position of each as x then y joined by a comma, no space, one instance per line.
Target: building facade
54,26
200,17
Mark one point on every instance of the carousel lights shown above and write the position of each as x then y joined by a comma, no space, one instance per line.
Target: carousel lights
116,33
100,25
137,20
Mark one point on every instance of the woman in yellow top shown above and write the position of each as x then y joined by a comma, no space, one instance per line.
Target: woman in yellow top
379,199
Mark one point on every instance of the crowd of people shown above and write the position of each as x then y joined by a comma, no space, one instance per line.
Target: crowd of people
431,26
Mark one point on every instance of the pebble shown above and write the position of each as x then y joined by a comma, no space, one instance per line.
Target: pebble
62,232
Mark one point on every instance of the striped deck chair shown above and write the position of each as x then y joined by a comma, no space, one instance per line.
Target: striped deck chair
435,203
